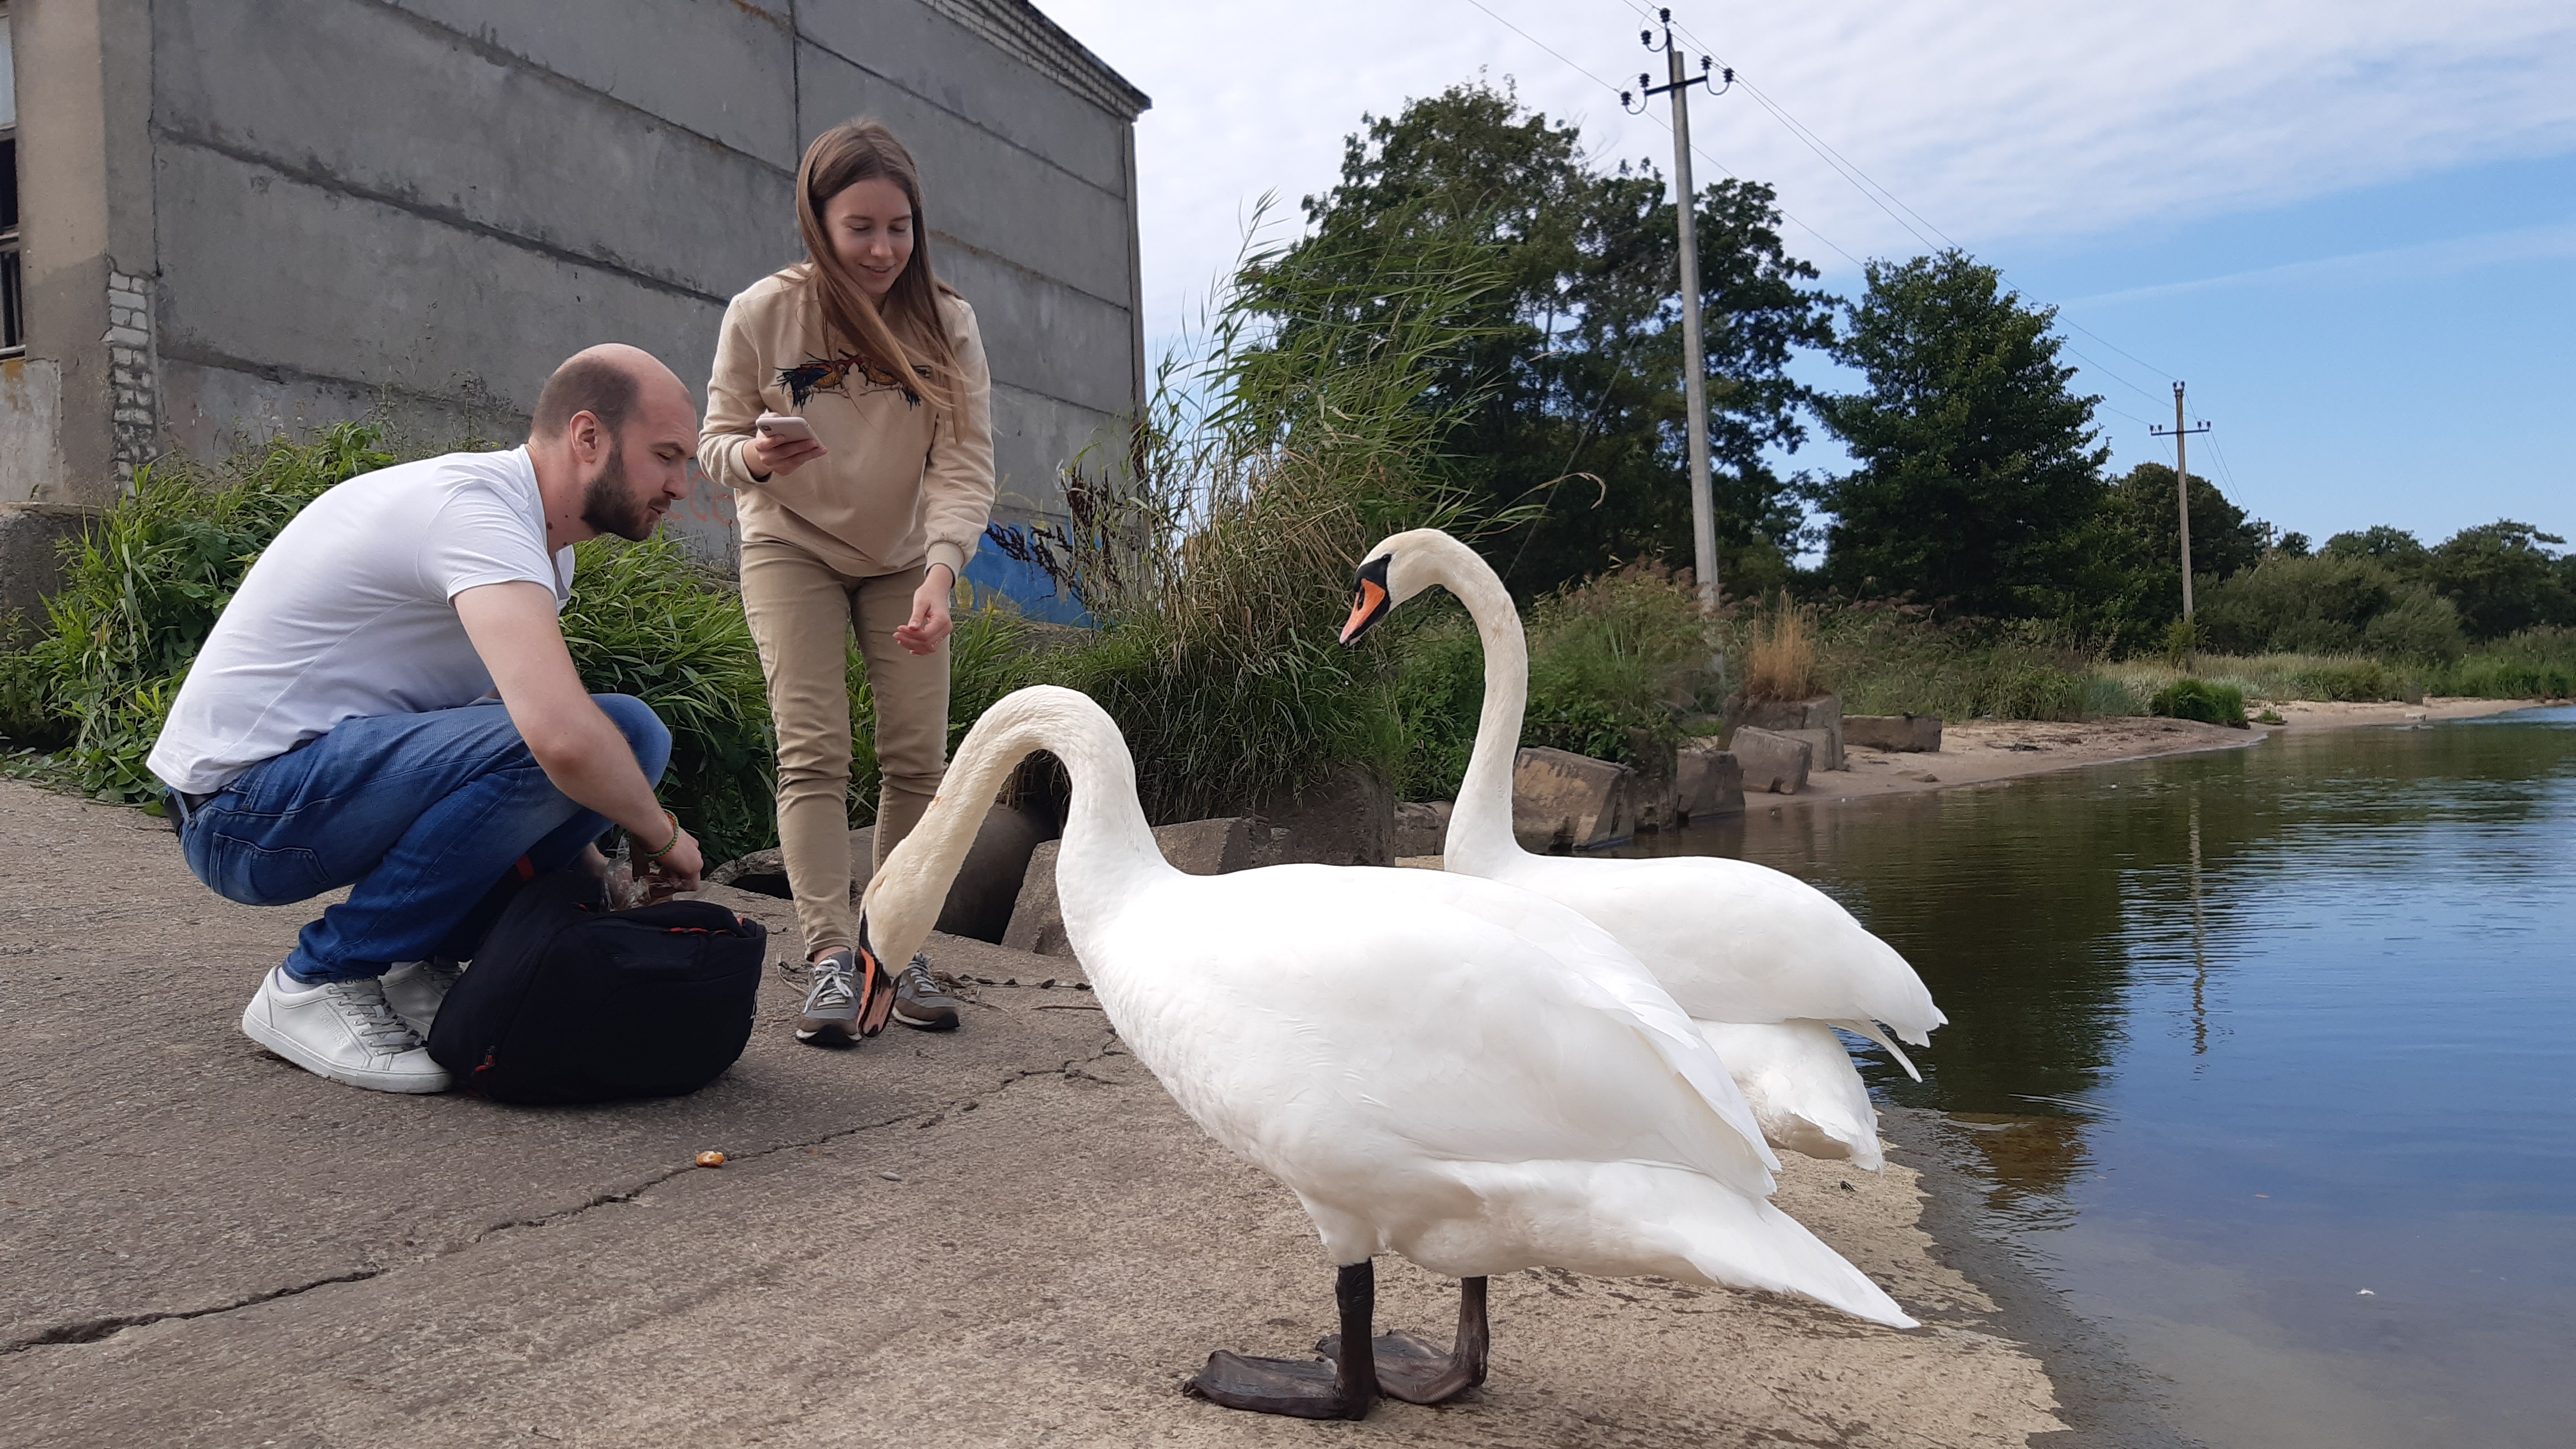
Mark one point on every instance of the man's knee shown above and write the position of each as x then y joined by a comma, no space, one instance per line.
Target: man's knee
645,733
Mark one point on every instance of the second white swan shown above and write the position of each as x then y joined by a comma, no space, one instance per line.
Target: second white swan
1767,964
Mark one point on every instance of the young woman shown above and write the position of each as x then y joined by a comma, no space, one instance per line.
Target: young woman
861,517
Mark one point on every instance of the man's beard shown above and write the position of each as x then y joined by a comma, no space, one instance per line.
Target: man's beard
609,504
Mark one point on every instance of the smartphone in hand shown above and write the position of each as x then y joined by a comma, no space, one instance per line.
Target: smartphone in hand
787,427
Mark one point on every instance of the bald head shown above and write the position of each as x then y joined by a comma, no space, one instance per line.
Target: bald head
611,440
610,382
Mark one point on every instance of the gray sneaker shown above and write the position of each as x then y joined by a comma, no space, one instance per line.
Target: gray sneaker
847,1001
919,1002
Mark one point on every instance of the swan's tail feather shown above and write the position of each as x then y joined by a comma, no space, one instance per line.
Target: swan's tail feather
1747,1243
1886,1039
1798,1077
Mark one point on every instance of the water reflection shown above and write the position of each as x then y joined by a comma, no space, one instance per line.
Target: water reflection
2278,1020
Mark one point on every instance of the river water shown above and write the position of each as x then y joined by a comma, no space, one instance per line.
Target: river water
2265,1055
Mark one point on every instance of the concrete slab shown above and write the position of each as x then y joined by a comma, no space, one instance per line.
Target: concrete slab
1005,1236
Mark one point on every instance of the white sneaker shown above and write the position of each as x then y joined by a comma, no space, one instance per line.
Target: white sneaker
414,989
342,1030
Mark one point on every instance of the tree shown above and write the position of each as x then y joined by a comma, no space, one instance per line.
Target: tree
2126,587
1572,386
2502,578
2223,539
2394,547
1979,468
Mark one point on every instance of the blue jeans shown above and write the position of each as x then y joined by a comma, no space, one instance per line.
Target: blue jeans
423,815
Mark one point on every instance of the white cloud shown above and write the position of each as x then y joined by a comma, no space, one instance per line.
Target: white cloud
2374,268
2010,120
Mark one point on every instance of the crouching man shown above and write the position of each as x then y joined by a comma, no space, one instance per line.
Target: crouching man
340,727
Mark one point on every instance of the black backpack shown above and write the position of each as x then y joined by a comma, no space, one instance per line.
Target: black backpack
568,1001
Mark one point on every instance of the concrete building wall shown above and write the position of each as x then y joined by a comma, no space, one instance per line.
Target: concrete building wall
415,208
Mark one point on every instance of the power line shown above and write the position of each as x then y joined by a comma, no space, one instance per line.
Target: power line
1696,149
1872,188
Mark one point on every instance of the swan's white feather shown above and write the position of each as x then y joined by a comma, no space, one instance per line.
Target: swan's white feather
1735,941
1732,942
1434,1083
1798,1077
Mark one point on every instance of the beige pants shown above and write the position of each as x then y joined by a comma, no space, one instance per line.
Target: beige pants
801,612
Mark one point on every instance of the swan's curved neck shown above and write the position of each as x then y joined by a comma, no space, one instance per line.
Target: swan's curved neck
1108,849
1481,827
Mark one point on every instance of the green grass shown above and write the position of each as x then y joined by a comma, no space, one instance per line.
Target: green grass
1890,659
1615,659
2198,699
83,699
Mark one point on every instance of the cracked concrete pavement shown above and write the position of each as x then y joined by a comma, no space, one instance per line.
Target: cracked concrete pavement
1008,1235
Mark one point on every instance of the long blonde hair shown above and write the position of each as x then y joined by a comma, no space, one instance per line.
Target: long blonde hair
907,334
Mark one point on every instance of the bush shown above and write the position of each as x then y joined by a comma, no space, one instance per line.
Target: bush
2331,603
2534,664
2196,699
1611,656
1218,557
141,589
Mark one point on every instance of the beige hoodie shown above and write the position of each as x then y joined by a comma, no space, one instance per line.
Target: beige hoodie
894,487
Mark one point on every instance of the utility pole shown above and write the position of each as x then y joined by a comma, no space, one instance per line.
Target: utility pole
1694,367
2182,491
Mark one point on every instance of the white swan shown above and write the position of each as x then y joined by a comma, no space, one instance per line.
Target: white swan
1765,963
1437,1066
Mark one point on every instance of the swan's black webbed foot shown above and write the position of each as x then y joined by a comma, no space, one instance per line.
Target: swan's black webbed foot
1302,1388
1342,1388
1418,1373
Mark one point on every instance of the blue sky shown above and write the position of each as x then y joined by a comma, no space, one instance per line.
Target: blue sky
2351,226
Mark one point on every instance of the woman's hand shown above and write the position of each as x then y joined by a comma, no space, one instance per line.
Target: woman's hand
929,626
775,457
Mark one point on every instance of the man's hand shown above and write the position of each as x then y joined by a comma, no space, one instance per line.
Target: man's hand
930,625
676,873
772,457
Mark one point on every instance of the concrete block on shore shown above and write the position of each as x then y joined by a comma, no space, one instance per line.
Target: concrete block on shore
1560,798
980,901
1219,846
1422,829
1772,760
1913,734
1823,712
1656,788
1824,747
1707,782
1346,818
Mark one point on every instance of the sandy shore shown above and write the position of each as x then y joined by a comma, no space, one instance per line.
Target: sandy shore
1975,752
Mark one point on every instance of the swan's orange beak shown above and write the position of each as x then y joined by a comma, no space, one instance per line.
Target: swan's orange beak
1369,601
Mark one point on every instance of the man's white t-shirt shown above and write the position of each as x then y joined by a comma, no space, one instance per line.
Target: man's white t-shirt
350,613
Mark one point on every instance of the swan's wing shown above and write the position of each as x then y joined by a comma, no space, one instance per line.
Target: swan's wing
1735,941
1335,1025
1608,973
